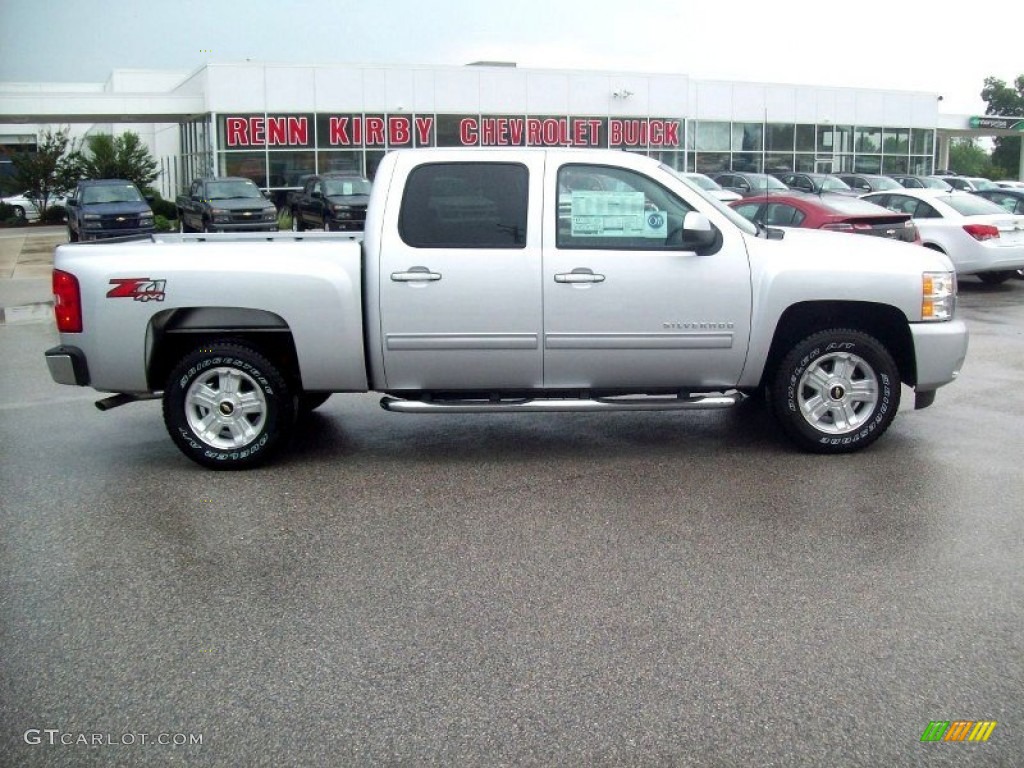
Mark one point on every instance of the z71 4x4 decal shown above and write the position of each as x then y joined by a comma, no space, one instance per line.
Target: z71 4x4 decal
138,288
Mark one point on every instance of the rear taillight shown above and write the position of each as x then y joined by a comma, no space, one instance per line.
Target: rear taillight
840,226
982,231
67,302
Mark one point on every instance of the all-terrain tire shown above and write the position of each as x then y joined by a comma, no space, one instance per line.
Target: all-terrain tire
226,406
836,391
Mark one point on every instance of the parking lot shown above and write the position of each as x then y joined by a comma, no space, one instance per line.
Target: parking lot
569,589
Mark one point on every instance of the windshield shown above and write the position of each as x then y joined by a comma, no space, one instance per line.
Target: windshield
702,181
229,190
346,187
971,205
764,181
933,183
724,209
883,183
112,193
983,183
832,184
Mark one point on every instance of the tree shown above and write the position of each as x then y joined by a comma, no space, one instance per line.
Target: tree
121,157
968,159
50,171
1005,101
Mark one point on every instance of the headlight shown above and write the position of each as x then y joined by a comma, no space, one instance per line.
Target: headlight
938,295
220,214
145,221
270,214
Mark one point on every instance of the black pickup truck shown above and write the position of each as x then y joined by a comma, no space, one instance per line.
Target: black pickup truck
334,201
102,208
225,204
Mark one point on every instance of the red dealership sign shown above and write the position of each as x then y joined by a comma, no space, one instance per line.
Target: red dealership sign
357,131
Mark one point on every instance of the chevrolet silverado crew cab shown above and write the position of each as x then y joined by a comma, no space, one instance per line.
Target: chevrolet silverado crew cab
516,280
226,204
101,208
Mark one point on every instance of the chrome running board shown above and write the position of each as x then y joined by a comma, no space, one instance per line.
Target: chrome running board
563,405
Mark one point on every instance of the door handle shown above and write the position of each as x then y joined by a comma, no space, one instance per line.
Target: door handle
579,276
415,275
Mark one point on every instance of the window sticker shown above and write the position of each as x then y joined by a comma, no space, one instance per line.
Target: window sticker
616,214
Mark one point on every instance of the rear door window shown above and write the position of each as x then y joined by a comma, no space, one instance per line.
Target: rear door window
465,205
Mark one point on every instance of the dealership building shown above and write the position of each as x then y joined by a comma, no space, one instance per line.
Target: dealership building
275,123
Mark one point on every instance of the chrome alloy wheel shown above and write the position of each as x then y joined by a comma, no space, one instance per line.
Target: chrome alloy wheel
225,408
838,393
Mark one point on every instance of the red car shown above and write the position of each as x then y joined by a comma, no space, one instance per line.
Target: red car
836,212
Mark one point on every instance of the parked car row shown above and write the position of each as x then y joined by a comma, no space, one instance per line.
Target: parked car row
981,231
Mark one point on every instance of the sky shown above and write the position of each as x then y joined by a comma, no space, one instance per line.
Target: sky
942,48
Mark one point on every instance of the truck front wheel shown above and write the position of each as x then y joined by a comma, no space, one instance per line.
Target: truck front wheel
226,406
836,391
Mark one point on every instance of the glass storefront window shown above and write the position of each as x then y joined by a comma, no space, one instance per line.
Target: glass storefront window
330,162
805,163
893,164
826,139
778,162
287,169
250,165
896,141
711,162
747,137
922,141
805,138
869,140
868,164
712,136
843,138
781,137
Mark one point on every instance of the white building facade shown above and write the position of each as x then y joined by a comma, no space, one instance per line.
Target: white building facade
275,123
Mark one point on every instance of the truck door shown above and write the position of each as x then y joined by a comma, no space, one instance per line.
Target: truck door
627,305
460,273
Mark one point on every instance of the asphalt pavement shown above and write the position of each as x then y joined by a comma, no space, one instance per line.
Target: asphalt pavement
633,589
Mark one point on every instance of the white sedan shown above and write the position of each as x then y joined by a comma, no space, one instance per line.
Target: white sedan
25,208
979,237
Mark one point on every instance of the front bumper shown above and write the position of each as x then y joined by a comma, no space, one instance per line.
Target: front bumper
85,235
940,350
248,226
67,365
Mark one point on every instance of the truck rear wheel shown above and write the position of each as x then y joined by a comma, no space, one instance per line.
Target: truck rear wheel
226,406
836,391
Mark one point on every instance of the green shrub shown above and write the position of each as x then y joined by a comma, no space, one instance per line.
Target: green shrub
163,208
55,214
163,224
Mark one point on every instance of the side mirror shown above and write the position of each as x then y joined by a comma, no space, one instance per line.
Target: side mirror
150,199
698,234
317,194
71,202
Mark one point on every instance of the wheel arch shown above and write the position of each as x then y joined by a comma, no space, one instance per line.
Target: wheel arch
174,333
886,323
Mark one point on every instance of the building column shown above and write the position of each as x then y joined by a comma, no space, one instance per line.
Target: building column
943,158
1020,168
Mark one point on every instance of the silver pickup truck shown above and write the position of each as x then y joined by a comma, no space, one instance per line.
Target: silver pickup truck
510,280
